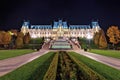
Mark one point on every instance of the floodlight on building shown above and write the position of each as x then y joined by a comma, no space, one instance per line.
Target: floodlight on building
34,36
89,36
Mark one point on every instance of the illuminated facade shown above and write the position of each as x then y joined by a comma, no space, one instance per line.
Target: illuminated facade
60,29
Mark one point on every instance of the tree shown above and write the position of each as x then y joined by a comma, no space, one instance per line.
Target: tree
82,42
20,34
19,40
6,38
1,36
96,38
26,38
102,40
114,35
12,43
99,39
14,31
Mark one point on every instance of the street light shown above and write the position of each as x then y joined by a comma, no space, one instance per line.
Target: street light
34,36
89,37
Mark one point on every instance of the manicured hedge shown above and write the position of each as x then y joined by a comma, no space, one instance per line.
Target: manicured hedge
108,72
67,69
90,74
36,41
51,72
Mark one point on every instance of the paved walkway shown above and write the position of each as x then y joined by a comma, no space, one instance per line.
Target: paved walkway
8,65
113,62
74,46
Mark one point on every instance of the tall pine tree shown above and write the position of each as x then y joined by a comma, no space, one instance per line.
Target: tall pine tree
102,40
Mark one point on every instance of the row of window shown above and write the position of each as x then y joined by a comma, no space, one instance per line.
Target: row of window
64,33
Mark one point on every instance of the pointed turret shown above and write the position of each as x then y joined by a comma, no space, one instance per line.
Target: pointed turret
25,27
95,26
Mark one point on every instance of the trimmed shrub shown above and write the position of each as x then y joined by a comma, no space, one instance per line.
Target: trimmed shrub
88,72
51,72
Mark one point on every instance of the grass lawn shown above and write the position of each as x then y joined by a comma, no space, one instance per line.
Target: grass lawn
12,53
28,71
108,72
110,53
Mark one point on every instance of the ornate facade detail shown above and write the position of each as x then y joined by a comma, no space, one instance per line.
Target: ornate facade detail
60,29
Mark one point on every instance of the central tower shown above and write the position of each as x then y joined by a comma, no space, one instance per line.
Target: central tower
60,29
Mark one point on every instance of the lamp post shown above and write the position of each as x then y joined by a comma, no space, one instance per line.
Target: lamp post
34,36
89,37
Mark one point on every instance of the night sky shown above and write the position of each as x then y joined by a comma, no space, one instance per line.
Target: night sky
13,12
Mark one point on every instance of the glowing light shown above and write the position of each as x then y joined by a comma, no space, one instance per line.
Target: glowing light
34,36
89,36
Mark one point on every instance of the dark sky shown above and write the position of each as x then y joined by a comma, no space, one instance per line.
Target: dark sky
13,12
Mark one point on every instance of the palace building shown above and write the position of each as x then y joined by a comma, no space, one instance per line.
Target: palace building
60,29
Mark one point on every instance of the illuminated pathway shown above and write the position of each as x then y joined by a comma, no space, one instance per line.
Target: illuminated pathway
113,62
8,65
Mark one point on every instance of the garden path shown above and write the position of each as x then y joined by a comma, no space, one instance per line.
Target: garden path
113,62
10,64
